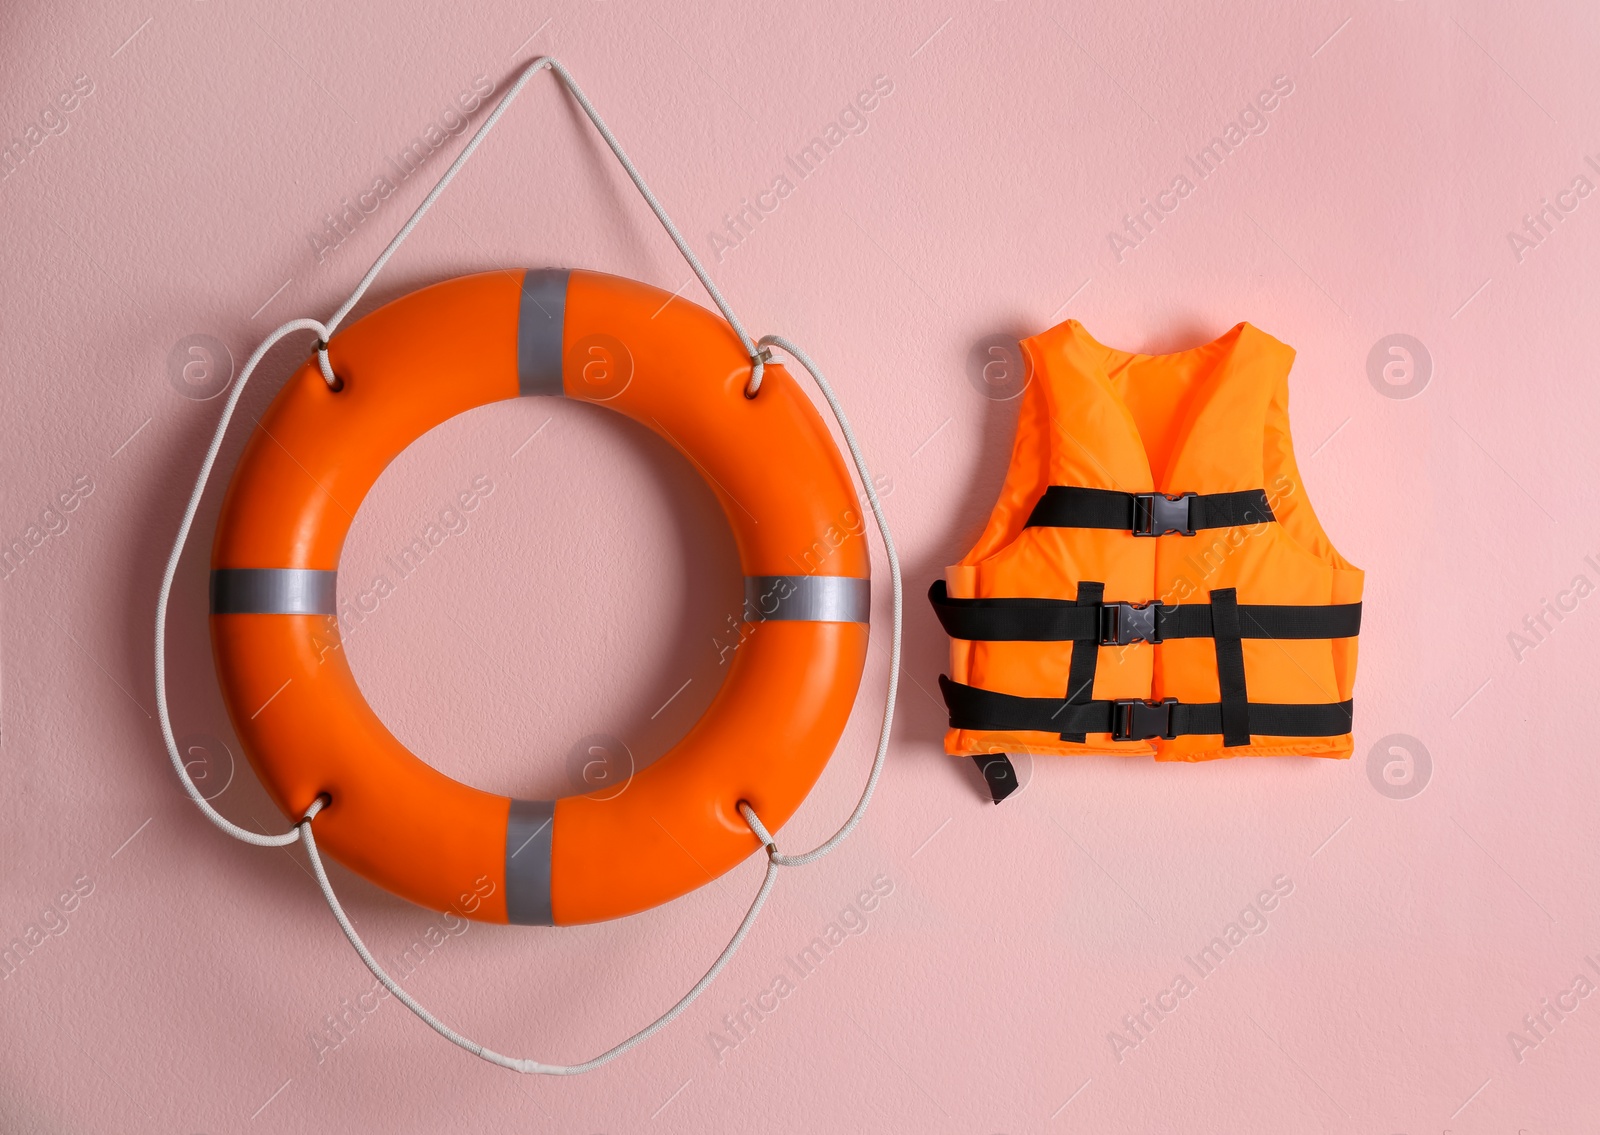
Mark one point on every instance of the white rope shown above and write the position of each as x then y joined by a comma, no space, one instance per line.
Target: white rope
838,837
758,358
517,1064
211,813
759,355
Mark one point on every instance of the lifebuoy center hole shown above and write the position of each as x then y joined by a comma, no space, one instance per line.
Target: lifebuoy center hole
539,597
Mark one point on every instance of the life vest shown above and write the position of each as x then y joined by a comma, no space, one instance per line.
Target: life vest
411,365
1153,579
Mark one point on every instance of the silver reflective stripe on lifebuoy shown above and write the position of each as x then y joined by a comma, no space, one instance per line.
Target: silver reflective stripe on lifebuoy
541,322
273,591
528,831
807,598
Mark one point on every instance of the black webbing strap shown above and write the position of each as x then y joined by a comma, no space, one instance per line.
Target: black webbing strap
1235,699
1012,620
1147,514
998,774
1283,620
1085,656
1117,624
974,708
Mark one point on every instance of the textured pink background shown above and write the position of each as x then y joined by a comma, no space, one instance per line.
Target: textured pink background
185,990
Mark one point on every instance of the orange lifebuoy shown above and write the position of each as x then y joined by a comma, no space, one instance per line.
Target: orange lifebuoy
668,364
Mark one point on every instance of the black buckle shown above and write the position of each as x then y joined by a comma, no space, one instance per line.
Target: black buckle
1156,514
1142,720
1122,623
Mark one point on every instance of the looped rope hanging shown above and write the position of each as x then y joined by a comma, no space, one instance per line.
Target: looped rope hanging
760,354
758,358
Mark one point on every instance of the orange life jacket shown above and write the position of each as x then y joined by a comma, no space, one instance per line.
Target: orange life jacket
1153,579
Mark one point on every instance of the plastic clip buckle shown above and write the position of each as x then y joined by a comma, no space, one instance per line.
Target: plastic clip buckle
1123,623
1156,514
1142,720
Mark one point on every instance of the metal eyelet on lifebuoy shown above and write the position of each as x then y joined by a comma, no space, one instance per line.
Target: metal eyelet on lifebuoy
680,371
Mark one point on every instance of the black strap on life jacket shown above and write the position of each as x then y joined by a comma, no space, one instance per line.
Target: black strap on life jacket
972,707
1118,624
1235,698
1085,656
999,774
1147,514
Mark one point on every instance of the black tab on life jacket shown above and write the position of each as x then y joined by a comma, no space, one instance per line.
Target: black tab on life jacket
1147,514
1085,656
998,774
1235,699
972,707
1118,624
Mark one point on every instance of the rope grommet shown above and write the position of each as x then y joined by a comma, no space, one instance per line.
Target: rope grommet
335,383
758,368
317,805
758,829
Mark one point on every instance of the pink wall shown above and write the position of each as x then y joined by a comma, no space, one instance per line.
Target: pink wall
186,988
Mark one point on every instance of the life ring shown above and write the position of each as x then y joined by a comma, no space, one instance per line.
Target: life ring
678,370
